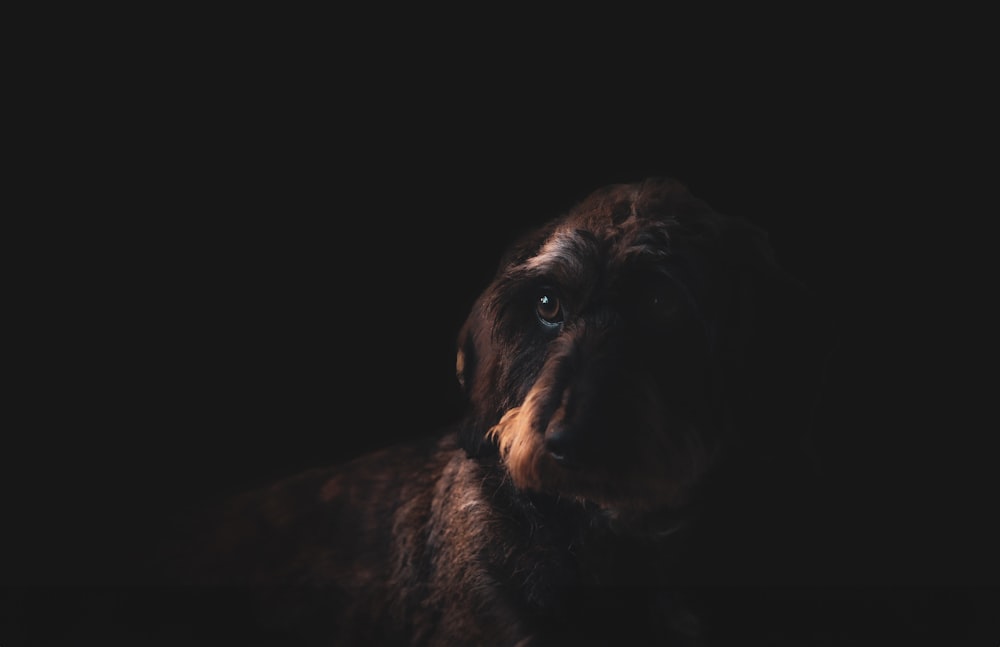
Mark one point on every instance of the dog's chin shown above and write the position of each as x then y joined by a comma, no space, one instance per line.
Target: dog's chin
634,488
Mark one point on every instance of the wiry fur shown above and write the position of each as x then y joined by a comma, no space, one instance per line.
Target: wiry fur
559,510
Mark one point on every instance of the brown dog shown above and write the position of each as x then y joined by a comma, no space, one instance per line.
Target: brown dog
621,371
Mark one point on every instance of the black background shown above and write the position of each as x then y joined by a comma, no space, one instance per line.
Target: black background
252,260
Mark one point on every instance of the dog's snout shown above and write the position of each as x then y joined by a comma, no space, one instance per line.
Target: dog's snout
559,444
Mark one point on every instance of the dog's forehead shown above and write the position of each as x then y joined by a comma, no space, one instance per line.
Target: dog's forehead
577,242
649,227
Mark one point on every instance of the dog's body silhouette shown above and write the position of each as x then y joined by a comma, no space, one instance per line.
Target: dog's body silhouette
638,373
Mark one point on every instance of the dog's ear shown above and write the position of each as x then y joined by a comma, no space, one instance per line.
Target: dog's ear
466,354
778,336
472,368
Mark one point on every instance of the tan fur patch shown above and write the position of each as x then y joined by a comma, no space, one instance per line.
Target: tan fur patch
521,445
460,367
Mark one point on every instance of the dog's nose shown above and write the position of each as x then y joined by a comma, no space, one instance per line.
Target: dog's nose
560,446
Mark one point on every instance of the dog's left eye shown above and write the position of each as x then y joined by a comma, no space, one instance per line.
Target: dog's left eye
548,309
661,304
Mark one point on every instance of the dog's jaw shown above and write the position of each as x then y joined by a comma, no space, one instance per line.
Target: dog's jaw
658,473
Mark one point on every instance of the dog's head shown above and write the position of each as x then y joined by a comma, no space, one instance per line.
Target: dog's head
623,347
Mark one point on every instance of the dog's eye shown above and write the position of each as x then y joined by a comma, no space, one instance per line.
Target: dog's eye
548,309
662,304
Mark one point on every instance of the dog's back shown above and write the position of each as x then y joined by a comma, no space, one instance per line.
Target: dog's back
332,552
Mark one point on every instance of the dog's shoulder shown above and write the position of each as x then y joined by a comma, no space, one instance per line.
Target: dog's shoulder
285,532
381,548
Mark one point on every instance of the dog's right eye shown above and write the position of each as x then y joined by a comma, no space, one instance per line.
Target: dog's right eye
548,309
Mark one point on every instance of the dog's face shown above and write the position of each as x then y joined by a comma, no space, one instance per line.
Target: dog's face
600,362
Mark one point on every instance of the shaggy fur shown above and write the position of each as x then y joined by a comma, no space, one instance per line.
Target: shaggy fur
630,361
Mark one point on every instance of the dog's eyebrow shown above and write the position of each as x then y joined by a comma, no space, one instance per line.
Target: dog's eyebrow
568,259
566,251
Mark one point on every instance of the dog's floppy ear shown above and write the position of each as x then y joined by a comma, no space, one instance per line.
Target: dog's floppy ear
467,354
777,334
472,368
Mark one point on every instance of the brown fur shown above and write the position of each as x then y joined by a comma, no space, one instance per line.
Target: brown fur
617,363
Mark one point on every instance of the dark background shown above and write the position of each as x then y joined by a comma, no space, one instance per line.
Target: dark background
252,261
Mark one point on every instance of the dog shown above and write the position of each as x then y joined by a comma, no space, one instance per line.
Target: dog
638,374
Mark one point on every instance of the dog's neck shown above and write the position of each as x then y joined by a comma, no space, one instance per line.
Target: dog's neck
581,544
